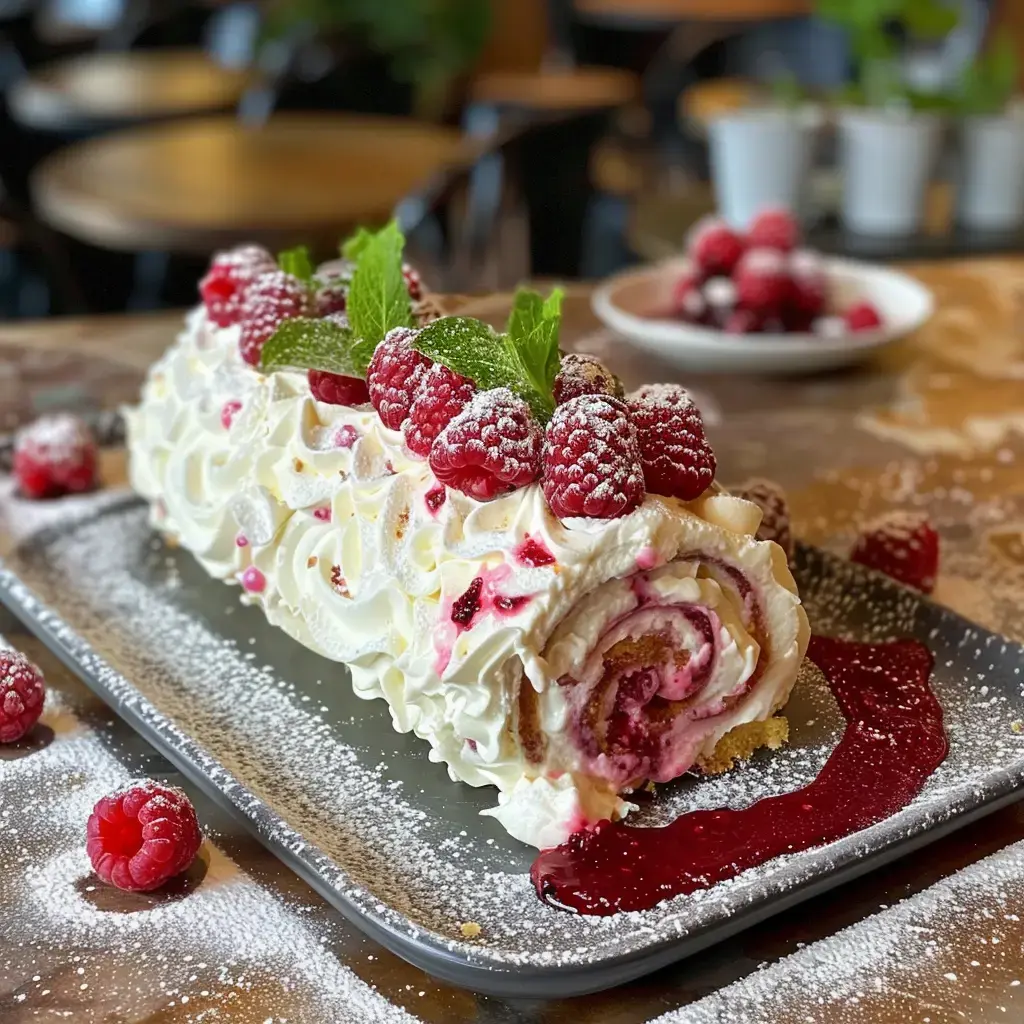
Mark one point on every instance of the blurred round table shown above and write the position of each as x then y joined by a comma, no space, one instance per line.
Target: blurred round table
193,186
99,89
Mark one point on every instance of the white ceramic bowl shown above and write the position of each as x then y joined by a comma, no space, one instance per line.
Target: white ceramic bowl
634,304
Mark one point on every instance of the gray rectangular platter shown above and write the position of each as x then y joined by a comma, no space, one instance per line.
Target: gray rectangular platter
274,732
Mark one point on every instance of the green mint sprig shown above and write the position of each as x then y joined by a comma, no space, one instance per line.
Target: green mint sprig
524,359
296,262
352,248
378,301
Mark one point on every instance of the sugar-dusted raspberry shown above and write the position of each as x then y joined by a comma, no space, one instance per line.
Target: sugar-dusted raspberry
441,396
22,693
715,247
774,229
771,499
413,282
904,545
863,317
808,294
337,389
582,374
331,284
677,459
591,460
271,299
142,836
762,281
226,282
394,377
55,455
492,447
743,321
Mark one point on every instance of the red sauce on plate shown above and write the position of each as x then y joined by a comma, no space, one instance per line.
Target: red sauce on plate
894,739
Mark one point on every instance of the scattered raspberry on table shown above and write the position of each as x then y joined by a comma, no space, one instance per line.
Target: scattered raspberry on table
142,836
22,694
55,455
904,545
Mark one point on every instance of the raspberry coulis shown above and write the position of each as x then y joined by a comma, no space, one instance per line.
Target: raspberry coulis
894,740
533,553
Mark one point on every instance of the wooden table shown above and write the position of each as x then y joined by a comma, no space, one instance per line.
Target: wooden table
936,420
106,88
666,12
204,183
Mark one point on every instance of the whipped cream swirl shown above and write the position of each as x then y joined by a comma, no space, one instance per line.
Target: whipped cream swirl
563,662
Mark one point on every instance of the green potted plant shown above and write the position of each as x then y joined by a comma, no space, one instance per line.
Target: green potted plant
428,43
889,135
991,192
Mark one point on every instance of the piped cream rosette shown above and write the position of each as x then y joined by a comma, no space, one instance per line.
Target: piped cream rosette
563,662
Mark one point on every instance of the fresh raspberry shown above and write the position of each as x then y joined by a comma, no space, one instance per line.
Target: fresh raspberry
271,299
55,455
771,499
226,282
442,395
762,281
677,459
331,285
863,317
904,545
492,447
743,321
22,692
591,460
687,300
715,247
142,836
808,293
583,374
337,389
774,229
413,282
394,377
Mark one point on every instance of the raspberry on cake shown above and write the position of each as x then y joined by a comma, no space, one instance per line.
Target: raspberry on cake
55,455
336,389
677,459
902,544
492,447
591,460
22,694
581,374
271,299
770,498
442,395
226,282
142,836
394,376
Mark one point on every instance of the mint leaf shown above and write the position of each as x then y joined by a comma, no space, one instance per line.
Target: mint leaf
296,262
352,248
533,329
489,359
378,299
307,344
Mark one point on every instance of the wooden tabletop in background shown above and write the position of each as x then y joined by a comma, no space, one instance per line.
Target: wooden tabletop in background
936,421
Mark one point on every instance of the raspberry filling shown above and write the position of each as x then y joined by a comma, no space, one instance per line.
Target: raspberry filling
645,698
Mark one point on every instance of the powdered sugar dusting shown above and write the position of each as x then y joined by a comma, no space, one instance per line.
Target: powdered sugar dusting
388,835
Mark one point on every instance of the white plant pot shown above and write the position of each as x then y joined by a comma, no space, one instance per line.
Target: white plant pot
761,158
991,195
886,161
